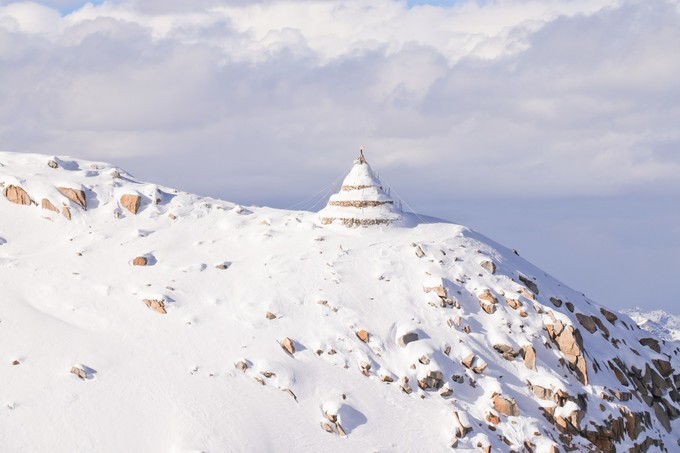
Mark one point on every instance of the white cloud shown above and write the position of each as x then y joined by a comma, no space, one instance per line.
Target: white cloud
519,98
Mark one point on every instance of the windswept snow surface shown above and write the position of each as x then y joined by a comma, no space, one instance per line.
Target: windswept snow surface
154,382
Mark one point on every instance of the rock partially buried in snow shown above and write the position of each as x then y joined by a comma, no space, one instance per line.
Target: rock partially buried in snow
47,204
288,346
407,338
79,370
75,195
17,195
131,202
362,335
504,405
156,305
52,163
270,315
490,266
140,261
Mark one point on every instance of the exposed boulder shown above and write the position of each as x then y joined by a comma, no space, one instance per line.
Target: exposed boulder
17,195
651,343
490,266
529,283
514,303
287,345
66,212
570,343
140,261
504,405
52,163
487,297
608,315
156,305
270,315
419,252
407,338
47,204
131,202
467,361
241,365
529,355
75,195
506,351
79,370
434,379
556,302
587,322
362,335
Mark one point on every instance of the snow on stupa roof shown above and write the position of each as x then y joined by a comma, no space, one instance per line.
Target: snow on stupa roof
362,201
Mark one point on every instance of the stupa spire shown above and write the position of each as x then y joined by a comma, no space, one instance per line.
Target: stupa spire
361,201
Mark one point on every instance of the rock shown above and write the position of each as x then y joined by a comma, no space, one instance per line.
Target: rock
467,361
587,322
222,266
362,335
424,360
462,428
662,416
407,338
341,432
479,369
16,362
140,261
556,302
492,418
439,290
600,325
66,212
526,293
664,367
529,354
514,303
404,385
326,427
608,315
487,297
52,164
432,380
365,368
570,343
651,343
241,365
445,392
47,204
570,306
156,305
270,315
386,378
529,283
75,195
506,351
490,266
419,252
488,308
287,345
17,195
131,202
79,370
504,405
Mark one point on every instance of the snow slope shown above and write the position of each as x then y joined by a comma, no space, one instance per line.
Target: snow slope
211,373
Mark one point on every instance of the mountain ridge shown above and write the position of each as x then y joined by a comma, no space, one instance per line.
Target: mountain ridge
252,328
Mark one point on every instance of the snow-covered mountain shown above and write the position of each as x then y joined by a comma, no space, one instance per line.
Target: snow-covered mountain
662,324
138,318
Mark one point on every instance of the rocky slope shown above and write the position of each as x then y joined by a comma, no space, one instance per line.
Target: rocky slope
134,317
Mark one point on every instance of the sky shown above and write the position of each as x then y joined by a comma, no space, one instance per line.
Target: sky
552,126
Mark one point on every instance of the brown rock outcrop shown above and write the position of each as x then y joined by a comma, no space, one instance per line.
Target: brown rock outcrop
17,195
570,343
362,335
131,202
140,261
287,345
66,212
529,355
504,405
587,322
75,195
156,305
47,204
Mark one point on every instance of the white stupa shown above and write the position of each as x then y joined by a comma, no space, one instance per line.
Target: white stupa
362,201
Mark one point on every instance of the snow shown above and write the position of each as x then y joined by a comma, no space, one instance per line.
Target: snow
167,382
658,322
